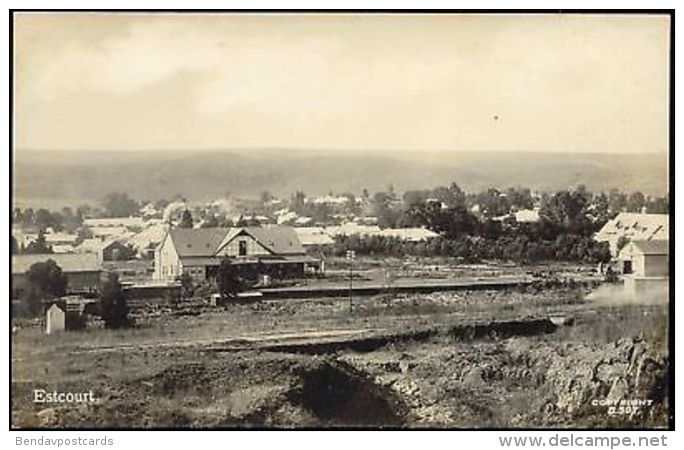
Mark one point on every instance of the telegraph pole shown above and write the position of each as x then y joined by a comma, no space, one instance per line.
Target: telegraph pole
351,254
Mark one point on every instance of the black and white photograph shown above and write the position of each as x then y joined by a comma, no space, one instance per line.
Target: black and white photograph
341,220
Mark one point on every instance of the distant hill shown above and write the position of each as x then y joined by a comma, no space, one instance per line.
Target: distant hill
57,178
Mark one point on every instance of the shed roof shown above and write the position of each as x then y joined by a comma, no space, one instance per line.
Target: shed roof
68,262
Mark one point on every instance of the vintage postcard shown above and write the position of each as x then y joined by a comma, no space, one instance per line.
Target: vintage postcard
385,220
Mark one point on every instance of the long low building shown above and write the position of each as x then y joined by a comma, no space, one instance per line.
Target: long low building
83,271
269,250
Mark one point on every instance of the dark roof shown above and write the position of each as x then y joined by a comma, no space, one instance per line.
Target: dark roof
278,239
653,247
68,262
190,242
197,242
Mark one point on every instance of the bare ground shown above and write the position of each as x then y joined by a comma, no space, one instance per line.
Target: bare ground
455,360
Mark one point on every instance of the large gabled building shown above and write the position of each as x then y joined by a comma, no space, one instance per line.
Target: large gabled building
268,250
634,227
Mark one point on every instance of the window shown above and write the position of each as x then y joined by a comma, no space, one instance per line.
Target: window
242,248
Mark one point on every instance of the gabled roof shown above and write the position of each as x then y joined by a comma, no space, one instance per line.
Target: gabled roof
313,236
95,245
279,240
637,226
653,247
208,241
115,222
69,262
197,241
149,236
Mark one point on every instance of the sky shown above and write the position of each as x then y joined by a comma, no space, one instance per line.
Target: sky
541,83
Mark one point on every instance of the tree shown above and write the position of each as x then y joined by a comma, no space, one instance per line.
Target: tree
113,306
118,204
39,246
365,194
452,196
569,210
298,202
601,209
450,222
659,205
48,277
211,221
382,209
43,280
636,202
186,220
265,197
228,280
42,219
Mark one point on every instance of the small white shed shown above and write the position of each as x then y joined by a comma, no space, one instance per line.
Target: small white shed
55,319
645,258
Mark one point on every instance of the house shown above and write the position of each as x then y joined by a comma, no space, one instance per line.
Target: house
24,237
520,216
409,234
133,223
54,239
147,240
527,215
286,217
313,236
302,221
330,200
63,248
103,233
149,210
634,226
641,258
268,250
111,249
83,271
351,228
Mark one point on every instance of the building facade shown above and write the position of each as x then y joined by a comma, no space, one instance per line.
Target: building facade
268,250
644,259
83,271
